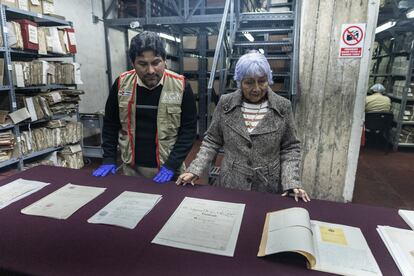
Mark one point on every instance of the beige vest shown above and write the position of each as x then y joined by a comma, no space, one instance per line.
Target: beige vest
168,116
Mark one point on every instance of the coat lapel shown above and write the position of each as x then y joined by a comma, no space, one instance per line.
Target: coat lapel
234,116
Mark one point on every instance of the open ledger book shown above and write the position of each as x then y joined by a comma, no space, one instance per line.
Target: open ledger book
327,247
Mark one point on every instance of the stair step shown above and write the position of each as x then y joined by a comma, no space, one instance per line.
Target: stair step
267,16
265,30
285,74
261,43
268,57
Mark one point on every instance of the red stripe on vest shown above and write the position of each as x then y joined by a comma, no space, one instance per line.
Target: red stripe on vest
130,103
157,150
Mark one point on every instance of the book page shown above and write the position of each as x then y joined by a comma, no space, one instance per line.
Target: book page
126,210
408,217
288,230
18,189
342,250
203,225
63,202
400,244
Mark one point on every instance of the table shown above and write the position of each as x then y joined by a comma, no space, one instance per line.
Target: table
44,246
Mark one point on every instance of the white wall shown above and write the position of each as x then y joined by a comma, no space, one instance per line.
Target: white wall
91,50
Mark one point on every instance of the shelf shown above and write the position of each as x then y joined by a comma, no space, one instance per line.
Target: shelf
7,127
39,153
45,87
406,145
388,75
44,120
4,88
9,162
40,19
399,98
394,54
35,54
408,123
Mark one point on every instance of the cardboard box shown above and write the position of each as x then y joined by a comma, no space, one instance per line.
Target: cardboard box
172,65
194,85
212,41
35,6
279,65
190,64
29,33
10,3
189,42
48,6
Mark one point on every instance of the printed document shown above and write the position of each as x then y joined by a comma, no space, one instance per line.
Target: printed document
63,202
400,244
18,189
126,210
328,247
203,225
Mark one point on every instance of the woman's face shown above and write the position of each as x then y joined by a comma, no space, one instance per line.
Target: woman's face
254,89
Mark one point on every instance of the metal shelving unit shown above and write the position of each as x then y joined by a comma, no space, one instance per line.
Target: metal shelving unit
10,13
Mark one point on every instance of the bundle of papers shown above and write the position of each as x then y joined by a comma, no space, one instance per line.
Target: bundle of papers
63,202
400,244
6,145
18,189
408,217
127,210
203,225
71,157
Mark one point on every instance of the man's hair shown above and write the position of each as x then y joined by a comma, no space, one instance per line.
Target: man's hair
252,64
146,41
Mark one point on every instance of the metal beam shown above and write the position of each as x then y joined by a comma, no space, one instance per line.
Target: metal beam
195,8
110,8
168,20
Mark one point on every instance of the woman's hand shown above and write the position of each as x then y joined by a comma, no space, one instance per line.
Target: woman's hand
186,178
298,193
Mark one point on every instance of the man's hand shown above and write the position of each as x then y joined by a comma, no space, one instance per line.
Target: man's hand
164,175
104,170
298,193
186,178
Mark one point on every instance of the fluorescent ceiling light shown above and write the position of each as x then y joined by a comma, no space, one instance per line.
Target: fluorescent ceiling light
410,13
261,51
248,36
385,26
169,37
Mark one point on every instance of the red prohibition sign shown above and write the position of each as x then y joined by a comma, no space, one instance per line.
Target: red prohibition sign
347,31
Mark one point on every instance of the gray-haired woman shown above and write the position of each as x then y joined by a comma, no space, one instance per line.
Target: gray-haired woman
256,129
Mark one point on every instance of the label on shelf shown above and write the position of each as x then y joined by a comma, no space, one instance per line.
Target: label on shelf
5,30
10,67
33,38
72,38
14,105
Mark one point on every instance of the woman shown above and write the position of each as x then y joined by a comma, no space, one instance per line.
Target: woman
256,129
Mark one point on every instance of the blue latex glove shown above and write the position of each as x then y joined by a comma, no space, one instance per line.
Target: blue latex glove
104,170
164,175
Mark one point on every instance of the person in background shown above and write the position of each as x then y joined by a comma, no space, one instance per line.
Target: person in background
256,129
150,113
377,102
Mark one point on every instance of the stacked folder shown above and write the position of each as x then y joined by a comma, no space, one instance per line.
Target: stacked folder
6,145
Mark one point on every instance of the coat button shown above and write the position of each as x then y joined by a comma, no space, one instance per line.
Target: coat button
249,145
249,180
249,162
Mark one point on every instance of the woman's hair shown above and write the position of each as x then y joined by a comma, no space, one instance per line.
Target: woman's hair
146,41
252,64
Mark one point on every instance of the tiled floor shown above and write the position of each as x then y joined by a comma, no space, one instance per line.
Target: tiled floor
383,179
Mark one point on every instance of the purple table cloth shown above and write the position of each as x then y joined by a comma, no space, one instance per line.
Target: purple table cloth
44,246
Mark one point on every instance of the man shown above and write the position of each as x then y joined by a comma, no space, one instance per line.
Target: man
151,114
377,102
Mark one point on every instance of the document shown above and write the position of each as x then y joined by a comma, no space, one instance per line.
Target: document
126,210
203,225
400,244
18,189
63,202
408,217
328,247
19,115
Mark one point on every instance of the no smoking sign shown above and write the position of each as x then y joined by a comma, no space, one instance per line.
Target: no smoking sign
352,40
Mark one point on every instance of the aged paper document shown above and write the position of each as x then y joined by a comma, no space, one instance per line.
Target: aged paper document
63,202
18,189
203,225
126,210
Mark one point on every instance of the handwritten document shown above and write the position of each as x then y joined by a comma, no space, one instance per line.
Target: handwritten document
203,225
126,210
63,202
18,189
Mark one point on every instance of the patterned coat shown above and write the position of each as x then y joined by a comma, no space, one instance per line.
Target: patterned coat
267,160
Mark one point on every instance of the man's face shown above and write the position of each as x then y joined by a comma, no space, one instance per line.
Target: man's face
149,68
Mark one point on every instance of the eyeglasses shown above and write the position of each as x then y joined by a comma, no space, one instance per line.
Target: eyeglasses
251,83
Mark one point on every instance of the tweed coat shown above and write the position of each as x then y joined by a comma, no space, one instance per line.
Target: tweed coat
266,160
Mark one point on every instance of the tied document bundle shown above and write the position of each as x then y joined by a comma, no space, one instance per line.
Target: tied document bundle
203,225
18,189
328,247
63,202
126,210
